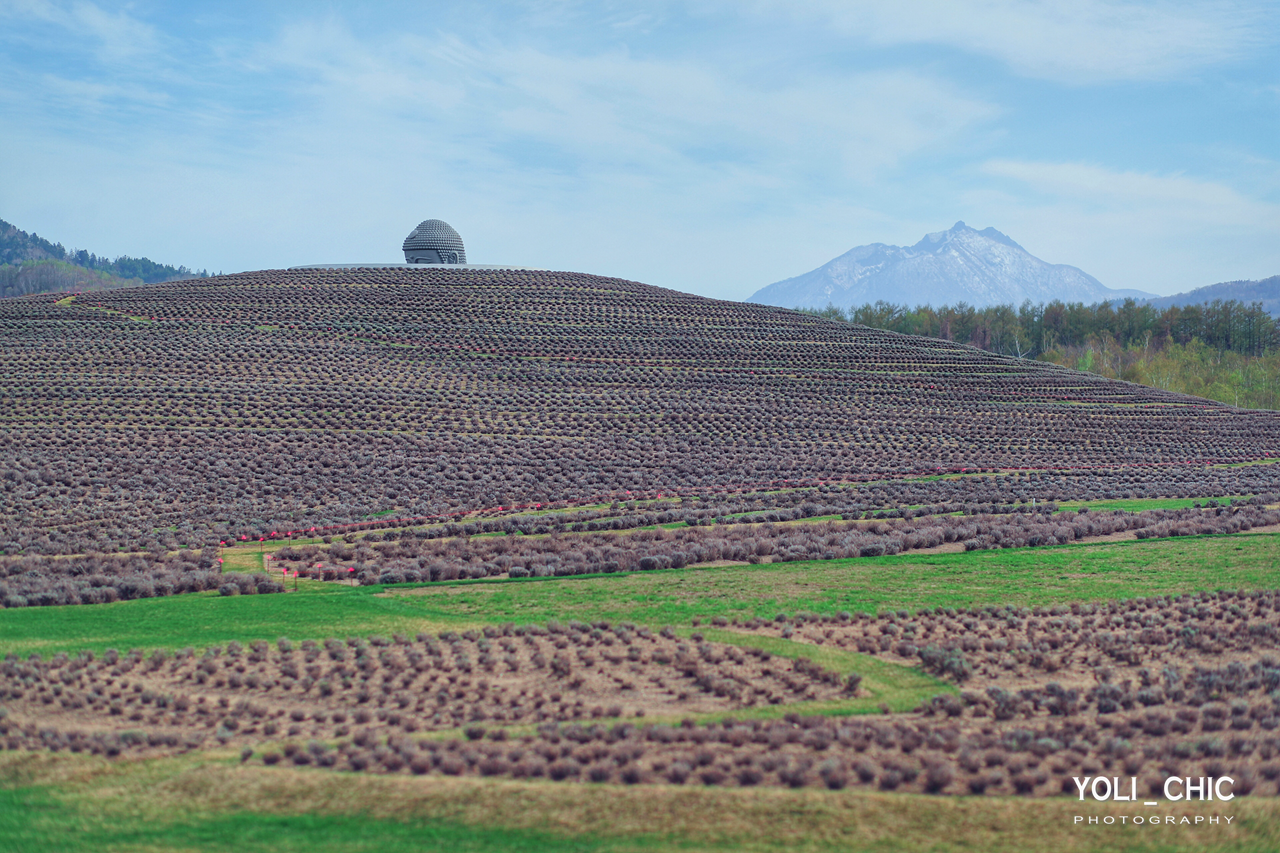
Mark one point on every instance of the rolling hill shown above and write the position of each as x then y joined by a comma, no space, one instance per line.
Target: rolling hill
717,553
193,410
1266,291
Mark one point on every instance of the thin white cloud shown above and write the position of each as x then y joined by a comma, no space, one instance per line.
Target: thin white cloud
1159,233
617,112
608,162
119,35
1081,41
700,163
1195,200
92,96
101,66
116,35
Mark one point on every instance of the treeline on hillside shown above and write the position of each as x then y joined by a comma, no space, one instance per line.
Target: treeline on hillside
19,251
126,267
50,276
1030,330
1251,382
1227,351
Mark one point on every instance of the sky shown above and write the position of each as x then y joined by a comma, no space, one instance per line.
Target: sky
712,147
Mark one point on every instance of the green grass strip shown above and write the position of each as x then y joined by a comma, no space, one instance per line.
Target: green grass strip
188,803
1023,576
34,820
896,687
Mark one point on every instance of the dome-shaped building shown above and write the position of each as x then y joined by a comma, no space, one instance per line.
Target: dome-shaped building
434,242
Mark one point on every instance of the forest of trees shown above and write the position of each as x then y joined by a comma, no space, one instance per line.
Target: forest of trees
126,267
31,264
1032,330
49,276
1224,350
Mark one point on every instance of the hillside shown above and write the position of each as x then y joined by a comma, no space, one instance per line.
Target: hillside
979,268
30,264
271,400
1266,291
601,547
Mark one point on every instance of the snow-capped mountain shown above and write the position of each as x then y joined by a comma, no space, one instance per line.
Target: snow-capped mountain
960,265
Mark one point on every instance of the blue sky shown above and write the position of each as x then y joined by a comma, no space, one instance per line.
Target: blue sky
709,146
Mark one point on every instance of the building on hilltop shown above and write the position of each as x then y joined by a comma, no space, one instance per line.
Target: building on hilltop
434,242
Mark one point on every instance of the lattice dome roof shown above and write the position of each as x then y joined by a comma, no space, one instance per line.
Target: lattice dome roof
435,235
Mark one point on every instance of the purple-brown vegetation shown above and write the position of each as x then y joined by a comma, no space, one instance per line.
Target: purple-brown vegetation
411,558
1148,688
194,412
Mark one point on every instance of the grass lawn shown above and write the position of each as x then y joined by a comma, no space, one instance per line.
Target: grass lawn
37,820
1140,504
211,803
1024,576
898,687
208,801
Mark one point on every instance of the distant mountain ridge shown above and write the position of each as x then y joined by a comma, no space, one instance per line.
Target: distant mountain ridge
1266,291
961,264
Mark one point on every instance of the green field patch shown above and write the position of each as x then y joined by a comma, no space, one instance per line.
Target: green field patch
203,619
1273,461
37,820
899,688
70,803
236,560
1023,576
1141,504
